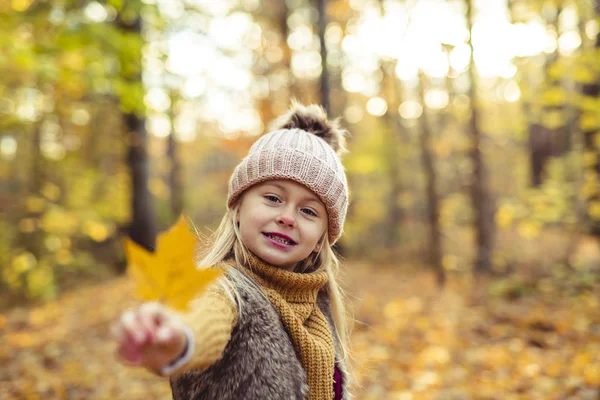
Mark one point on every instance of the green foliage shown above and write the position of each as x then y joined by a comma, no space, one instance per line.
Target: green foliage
131,96
555,202
513,287
80,194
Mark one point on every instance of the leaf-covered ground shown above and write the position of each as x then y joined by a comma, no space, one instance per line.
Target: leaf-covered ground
410,342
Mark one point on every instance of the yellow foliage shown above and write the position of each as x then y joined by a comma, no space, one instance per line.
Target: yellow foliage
21,339
363,164
556,71
369,211
554,369
580,361
597,140
50,191
591,375
394,309
589,189
24,262
590,176
35,204
590,158
60,221
169,275
96,231
581,74
434,355
554,96
589,122
505,216
553,119
52,242
529,230
80,192
594,210
72,60
27,225
450,262
64,256
21,5
338,8
39,281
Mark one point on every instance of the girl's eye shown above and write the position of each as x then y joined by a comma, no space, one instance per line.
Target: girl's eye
309,212
272,198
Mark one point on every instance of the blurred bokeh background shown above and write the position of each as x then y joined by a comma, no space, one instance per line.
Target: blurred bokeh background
472,236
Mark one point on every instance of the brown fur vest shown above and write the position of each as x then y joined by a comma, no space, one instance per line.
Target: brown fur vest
259,362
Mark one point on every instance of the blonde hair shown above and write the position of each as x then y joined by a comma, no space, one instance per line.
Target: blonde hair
225,244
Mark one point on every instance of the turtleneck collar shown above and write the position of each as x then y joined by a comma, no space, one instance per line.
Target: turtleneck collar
292,286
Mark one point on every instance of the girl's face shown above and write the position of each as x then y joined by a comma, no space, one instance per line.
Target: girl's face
281,221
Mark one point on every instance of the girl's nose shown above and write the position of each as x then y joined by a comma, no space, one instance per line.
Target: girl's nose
286,218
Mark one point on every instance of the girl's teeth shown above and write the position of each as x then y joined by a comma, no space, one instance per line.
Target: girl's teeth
281,240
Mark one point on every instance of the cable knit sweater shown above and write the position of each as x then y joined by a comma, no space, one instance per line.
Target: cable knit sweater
297,301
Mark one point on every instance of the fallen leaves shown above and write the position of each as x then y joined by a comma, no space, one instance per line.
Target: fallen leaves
63,350
423,344
169,275
410,343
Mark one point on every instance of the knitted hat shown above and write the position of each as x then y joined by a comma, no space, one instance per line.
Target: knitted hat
305,147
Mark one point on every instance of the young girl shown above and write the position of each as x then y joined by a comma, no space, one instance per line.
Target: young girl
274,327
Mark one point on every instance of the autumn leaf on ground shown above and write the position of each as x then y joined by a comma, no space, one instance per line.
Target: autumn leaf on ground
169,275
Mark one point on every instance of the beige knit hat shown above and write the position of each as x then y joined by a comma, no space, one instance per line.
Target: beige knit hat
306,148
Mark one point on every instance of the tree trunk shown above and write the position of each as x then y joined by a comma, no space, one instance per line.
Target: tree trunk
394,134
287,51
433,208
33,241
324,88
142,228
546,139
32,238
175,181
480,197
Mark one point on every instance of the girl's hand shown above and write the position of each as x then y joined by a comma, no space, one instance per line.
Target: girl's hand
150,336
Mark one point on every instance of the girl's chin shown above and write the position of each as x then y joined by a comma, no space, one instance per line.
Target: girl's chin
276,260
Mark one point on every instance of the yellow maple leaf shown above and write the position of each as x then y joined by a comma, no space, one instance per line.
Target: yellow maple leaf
169,275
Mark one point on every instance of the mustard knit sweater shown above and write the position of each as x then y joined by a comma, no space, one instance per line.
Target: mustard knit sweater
213,316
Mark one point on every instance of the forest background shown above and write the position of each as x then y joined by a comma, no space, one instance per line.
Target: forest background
471,250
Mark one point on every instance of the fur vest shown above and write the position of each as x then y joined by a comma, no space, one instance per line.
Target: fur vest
259,362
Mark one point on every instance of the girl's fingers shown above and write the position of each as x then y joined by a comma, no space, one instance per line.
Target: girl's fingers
165,334
133,327
156,311
129,355
122,335
147,335
152,315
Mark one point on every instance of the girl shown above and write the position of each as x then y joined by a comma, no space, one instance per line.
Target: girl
274,327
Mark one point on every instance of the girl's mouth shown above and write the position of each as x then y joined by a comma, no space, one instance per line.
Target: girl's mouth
279,240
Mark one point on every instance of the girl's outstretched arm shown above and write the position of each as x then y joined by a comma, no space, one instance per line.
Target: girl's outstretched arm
168,343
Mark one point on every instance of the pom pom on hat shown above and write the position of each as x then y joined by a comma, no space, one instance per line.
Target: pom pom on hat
313,119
